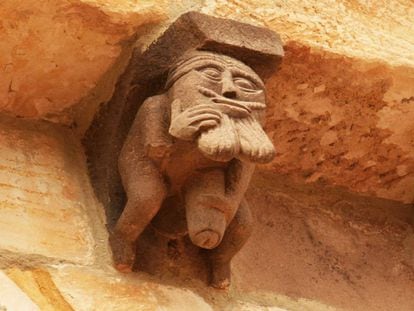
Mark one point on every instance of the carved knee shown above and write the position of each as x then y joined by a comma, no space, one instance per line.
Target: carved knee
141,207
144,204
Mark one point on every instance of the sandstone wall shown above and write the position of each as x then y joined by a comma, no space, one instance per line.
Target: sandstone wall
345,122
314,247
346,79
54,253
333,211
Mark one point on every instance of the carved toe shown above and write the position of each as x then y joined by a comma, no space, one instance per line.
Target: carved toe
220,276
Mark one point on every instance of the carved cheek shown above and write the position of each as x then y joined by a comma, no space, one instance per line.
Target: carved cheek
210,84
184,89
259,114
253,97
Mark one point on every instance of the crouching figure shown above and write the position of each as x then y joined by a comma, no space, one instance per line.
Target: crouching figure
195,146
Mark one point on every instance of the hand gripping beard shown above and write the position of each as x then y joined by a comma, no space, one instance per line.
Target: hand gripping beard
220,103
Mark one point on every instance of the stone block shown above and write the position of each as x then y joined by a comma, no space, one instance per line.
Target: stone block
356,133
43,193
74,288
45,72
12,297
86,289
332,247
380,30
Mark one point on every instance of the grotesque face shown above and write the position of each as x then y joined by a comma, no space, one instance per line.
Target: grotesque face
200,76
233,88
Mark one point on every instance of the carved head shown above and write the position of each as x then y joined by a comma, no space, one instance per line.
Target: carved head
233,88
199,76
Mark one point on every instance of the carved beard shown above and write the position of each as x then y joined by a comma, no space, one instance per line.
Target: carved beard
241,138
238,135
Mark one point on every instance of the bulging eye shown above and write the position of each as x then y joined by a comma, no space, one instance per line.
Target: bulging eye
211,73
245,84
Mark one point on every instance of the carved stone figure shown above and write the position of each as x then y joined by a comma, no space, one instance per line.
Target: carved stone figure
194,147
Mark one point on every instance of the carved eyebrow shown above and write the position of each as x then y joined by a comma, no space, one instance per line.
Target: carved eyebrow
220,65
242,73
211,63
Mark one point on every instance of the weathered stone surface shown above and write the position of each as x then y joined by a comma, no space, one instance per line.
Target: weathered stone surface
53,53
87,289
370,30
245,306
67,288
12,297
90,33
324,244
343,122
43,193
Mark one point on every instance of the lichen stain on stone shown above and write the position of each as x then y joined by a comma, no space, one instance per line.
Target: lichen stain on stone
39,286
346,133
328,245
106,289
40,185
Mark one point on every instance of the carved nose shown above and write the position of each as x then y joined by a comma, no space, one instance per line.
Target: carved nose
228,88
230,94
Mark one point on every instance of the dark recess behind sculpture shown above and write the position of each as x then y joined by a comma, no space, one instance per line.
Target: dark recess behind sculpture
145,76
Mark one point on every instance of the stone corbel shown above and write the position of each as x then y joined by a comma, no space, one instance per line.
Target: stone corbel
181,136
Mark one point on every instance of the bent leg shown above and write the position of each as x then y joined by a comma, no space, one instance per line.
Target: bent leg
235,237
146,190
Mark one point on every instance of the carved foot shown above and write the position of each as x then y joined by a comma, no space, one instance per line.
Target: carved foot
220,276
123,253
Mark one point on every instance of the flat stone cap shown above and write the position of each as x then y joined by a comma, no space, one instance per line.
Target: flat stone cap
258,47
228,35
